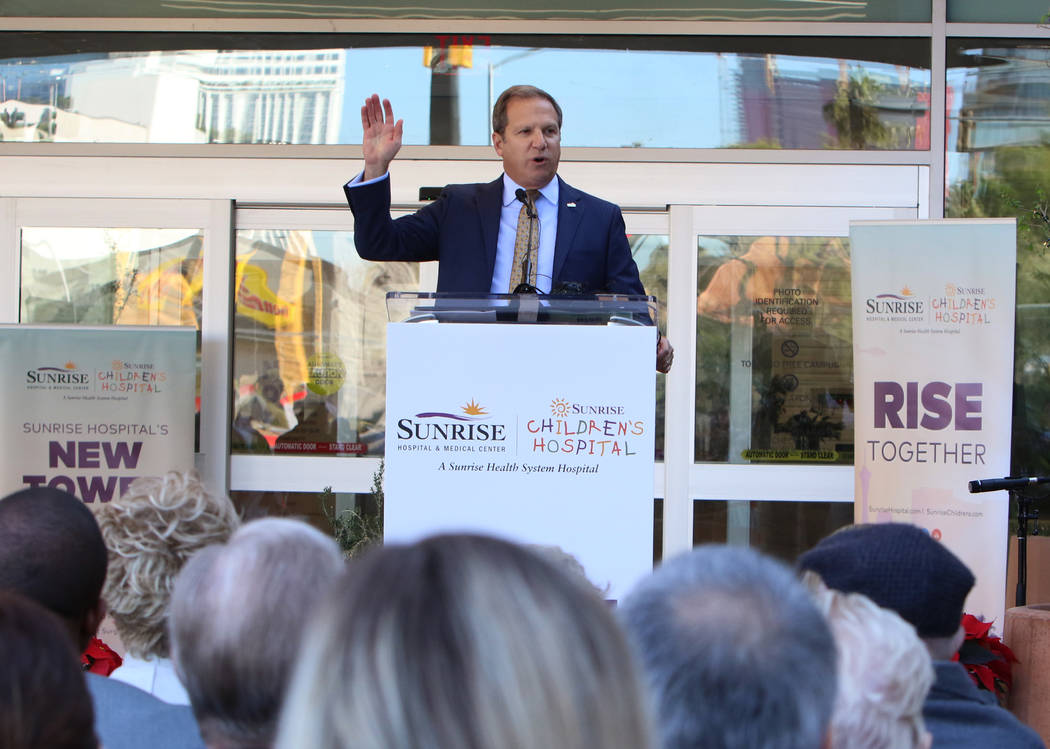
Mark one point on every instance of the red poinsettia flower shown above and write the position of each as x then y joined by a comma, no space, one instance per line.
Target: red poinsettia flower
988,661
99,658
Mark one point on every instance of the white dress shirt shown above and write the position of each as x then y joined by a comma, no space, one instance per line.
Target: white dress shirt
154,675
547,210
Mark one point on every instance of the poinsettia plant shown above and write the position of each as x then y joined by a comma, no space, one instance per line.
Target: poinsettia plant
99,658
986,658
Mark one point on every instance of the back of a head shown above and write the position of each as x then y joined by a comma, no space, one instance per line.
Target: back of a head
44,701
51,551
237,614
900,567
464,642
150,532
884,673
736,654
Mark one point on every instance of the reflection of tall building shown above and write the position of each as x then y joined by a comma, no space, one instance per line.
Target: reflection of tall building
270,96
782,109
288,96
786,108
1002,99
996,98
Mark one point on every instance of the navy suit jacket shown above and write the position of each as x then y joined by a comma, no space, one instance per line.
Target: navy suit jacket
461,227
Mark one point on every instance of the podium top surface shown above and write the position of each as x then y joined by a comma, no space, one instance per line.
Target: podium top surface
543,309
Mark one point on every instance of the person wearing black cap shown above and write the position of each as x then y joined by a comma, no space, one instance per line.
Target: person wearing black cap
901,568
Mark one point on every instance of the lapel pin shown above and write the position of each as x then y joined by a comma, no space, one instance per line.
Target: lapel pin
570,204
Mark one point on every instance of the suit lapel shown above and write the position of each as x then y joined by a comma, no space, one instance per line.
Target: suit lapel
570,214
489,203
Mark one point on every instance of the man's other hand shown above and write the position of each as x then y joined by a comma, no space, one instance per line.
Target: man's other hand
382,136
664,355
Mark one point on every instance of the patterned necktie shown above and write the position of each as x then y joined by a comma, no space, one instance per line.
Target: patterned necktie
522,245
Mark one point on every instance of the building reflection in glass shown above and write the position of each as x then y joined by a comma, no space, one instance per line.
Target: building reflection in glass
310,343
774,350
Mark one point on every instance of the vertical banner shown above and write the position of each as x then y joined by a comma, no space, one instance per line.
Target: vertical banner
933,334
88,410
542,434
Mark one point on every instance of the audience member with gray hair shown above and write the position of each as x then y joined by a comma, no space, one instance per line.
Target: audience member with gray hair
736,653
884,673
902,568
150,532
237,614
464,642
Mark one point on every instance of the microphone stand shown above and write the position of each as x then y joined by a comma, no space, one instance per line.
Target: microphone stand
1017,488
1025,512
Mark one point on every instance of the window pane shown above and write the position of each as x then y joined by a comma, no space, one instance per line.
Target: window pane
121,276
750,92
696,10
774,350
310,343
1010,11
650,253
330,512
781,529
115,276
998,157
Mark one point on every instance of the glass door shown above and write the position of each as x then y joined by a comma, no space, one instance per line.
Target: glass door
761,433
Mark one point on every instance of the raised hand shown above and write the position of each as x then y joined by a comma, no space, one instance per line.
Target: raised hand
382,136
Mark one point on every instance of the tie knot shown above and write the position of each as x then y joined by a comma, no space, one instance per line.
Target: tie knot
534,195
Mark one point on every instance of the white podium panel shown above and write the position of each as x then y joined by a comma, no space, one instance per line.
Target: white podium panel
542,434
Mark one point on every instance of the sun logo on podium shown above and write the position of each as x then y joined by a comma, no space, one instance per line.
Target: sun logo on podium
560,407
70,365
473,409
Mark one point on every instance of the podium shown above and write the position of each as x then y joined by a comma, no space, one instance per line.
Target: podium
527,417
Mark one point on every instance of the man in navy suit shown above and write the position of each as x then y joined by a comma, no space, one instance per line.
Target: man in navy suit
470,229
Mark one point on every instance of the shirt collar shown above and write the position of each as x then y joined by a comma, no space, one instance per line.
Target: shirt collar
510,187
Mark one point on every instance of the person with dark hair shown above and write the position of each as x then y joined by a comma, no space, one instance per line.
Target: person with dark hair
52,552
44,701
575,240
735,652
902,568
464,641
237,610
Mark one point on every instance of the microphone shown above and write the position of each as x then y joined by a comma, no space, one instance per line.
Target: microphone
523,196
991,485
526,287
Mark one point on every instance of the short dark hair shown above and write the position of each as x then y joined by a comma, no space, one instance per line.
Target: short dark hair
499,110
51,551
44,700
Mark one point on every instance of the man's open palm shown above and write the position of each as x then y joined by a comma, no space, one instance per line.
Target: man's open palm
382,136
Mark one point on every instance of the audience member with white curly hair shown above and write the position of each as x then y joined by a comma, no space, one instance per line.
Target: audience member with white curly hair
884,673
464,642
150,533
